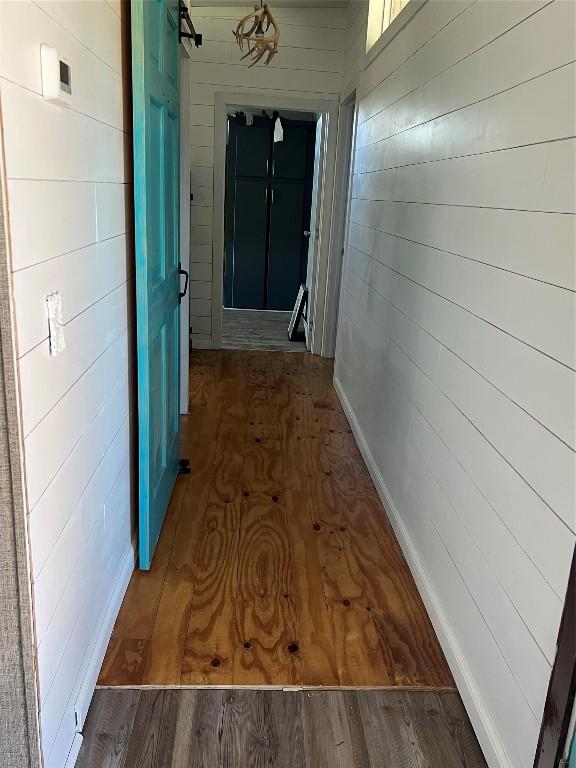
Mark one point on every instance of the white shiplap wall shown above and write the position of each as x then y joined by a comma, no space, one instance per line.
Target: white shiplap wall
355,44
309,65
69,212
455,354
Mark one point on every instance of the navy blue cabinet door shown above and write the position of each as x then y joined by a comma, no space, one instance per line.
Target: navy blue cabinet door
267,212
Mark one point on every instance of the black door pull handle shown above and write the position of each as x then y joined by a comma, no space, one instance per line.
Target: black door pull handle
183,293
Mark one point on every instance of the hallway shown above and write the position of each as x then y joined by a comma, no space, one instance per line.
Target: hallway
276,565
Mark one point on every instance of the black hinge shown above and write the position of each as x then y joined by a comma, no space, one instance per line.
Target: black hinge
192,34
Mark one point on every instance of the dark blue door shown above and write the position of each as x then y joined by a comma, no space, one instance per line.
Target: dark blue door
268,202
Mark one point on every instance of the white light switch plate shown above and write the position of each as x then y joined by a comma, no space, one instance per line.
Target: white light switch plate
55,323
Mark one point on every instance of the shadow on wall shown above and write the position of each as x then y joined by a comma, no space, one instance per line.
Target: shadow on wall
126,43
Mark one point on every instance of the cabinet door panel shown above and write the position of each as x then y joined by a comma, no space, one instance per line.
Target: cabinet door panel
252,150
287,244
249,246
291,156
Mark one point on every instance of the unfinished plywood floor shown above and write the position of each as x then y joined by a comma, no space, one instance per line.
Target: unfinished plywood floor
276,565
252,729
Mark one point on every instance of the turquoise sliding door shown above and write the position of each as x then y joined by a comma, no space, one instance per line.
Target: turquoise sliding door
155,83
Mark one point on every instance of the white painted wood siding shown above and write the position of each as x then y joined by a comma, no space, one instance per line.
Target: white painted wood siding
70,205
355,46
308,65
455,353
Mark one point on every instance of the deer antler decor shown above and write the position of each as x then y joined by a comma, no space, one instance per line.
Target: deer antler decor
258,42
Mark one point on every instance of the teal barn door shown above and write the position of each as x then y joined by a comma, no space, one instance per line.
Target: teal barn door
155,94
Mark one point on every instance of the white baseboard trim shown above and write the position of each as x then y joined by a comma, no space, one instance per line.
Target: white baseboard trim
201,343
482,722
74,751
88,684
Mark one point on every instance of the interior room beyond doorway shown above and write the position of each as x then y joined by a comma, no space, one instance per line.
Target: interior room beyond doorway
271,184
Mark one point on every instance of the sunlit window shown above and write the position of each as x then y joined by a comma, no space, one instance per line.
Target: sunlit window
381,14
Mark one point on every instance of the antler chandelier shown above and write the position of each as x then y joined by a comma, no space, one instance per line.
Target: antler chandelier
258,42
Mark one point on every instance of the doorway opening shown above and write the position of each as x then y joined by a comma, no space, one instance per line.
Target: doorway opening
272,226
269,190
342,196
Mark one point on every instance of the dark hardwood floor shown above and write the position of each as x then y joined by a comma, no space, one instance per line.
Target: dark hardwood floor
239,728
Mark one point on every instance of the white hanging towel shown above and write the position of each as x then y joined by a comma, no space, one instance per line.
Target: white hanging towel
278,130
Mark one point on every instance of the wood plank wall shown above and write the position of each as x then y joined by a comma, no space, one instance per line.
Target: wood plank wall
355,45
309,65
69,205
455,352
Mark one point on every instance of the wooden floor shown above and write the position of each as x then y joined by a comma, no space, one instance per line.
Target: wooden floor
252,729
258,330
277,565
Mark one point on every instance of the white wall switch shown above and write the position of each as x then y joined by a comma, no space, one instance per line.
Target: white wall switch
56,76
55,324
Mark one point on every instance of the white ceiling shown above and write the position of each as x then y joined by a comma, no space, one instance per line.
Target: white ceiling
275,3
